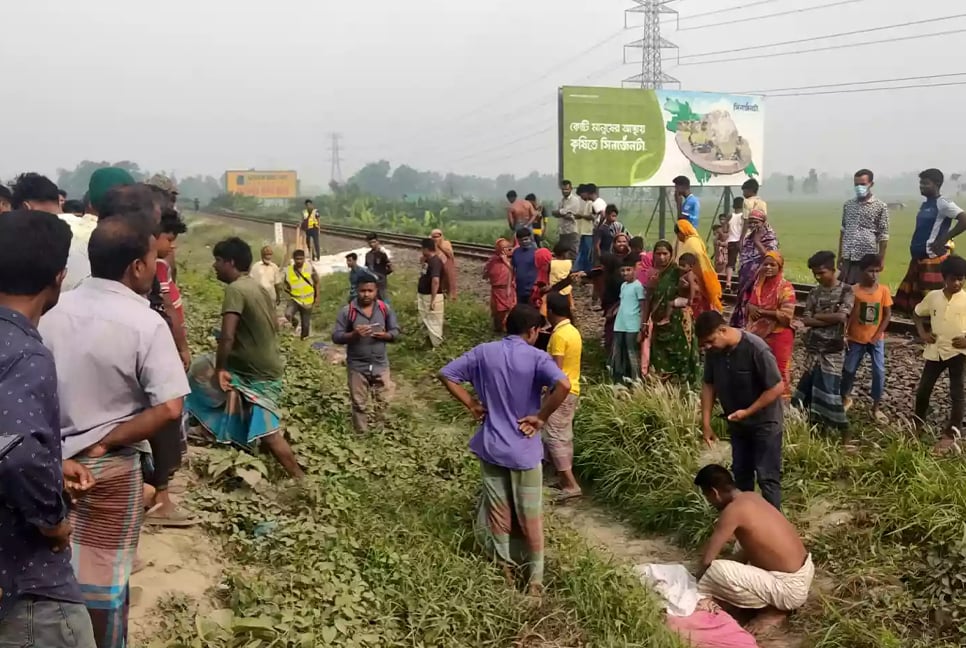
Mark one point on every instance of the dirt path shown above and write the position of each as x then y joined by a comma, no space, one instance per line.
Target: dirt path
179,562
603,531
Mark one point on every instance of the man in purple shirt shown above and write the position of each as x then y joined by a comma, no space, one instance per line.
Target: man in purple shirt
40,601
509,377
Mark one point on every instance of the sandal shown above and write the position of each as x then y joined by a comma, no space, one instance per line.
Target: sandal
177,519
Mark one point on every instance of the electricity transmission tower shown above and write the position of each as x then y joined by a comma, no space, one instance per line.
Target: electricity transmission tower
335,175
652,74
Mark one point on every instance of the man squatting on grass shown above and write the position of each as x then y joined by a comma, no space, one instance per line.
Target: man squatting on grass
741,372
365,326
773,572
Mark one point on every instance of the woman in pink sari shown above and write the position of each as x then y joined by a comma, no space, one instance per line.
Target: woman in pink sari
645,272
503,290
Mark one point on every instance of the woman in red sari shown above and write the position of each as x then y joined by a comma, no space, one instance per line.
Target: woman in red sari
503,289
770,311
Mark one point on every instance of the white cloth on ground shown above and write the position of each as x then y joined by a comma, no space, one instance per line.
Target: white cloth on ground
752,588
674,584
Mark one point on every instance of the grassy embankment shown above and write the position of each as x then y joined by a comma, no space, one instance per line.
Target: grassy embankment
376,548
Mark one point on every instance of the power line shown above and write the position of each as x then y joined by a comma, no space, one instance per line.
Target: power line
797,41
502,145
788,12
852,83
725,10
893,39
857,90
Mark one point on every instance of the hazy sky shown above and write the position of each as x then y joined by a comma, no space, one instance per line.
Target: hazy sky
201,86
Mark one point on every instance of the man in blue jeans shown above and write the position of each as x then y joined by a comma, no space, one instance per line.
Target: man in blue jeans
40,601
740,371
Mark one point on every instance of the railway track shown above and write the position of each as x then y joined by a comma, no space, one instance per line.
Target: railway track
898,326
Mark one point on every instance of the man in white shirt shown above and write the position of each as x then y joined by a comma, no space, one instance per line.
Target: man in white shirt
735,228
267,273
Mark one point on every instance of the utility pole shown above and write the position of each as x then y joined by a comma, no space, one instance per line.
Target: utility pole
335,175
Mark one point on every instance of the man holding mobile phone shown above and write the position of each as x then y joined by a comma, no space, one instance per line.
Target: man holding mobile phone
40,601
365,326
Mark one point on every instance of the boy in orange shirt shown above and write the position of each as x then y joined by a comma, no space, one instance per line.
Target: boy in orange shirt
866,333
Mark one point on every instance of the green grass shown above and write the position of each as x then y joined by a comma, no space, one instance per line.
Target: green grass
376,548
893,557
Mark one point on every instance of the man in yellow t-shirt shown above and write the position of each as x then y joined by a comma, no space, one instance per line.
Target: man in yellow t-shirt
558,433
945,347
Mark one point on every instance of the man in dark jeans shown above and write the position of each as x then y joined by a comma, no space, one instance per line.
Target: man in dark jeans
40,601
741,372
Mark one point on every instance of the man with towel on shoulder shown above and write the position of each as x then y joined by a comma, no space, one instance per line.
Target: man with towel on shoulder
773,573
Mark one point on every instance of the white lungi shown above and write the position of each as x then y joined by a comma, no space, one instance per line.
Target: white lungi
752,588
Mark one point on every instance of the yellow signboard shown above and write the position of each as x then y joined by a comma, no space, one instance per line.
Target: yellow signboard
263,184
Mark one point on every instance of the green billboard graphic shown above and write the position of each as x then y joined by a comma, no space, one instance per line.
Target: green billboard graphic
629,137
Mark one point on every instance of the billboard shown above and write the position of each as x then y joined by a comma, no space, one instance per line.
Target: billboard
263,184
632,137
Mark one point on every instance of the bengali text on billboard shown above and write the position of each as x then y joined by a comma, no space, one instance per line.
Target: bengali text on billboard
630,137
262,184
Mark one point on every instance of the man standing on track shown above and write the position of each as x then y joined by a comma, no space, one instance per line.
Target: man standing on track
689,207
312,225
934,228
567,212
519,213
429,294
865,229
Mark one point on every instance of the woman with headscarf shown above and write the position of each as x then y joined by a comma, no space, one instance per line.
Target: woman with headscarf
770,311
674,349
645,273
498,272
759,240
621,246
708,293
445,251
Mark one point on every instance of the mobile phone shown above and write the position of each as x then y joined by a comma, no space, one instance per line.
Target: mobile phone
7,443
376,327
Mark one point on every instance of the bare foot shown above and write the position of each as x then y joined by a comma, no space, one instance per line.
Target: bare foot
509,575
535,592
766,621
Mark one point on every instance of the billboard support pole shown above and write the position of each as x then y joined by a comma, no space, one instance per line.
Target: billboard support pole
662,203
723,207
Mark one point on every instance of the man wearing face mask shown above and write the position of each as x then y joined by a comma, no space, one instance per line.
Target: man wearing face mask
865,228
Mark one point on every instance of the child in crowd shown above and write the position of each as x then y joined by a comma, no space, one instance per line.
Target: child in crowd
866,333
625,363
687,286
637,247
561,267
945,347
356,273
827,311
721,233
171,227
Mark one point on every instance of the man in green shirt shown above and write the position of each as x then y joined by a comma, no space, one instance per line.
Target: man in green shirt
234,395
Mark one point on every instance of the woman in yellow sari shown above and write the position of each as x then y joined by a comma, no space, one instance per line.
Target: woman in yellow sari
708,295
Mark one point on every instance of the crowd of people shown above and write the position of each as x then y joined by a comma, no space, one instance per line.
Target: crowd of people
101,392
663,316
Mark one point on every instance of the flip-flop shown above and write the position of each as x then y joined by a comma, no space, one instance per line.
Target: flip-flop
566,496
179,519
